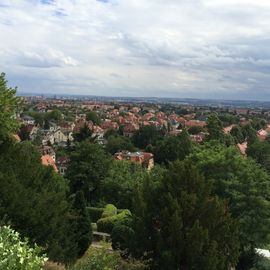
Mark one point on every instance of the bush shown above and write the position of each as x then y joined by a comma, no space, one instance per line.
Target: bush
107,224
94,213
110,210
101,259
17,254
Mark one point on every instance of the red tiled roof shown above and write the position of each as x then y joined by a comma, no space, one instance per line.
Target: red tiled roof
47,160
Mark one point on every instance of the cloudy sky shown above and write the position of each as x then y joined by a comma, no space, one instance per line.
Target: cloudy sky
163,48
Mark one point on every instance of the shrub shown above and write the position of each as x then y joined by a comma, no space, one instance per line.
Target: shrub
106,224
102,259
17,254
110,210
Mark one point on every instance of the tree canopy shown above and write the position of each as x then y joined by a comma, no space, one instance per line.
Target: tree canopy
179,224
89,165
173,148
33,199
9,104
119,185
146,135
92,116
244,185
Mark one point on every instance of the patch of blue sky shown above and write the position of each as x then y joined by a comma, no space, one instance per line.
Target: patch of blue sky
47,2
60,13
104,1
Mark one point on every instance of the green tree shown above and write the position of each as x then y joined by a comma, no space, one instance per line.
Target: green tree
237,134
119,143
173,148
55,115
195,130
92,116
244,185
82,226
24,133
46,124
9,104
258,123
88,166
215,128
111,132
119,185
179,224
146,135
249,134
84,134
39,117
260,151
33,198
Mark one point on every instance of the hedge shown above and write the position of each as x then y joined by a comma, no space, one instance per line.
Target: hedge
109,211
106,224
95,213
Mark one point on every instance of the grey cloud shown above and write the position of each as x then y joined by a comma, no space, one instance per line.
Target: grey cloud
47,59
220,48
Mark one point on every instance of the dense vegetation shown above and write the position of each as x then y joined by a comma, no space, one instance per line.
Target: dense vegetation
202,206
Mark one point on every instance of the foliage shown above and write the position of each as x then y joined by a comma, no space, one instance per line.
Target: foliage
33,198
119,185
17,254
94,213
215,128
122,233
146,135
228,119
103,259
244,185
249,134
9,104
39,117
92,116
107,224
258,123
237,134
186,224
23,133
88,166
195,130
261,264
173,148
55,115
119,143
109,210
111,132
260,151
84,134
82,224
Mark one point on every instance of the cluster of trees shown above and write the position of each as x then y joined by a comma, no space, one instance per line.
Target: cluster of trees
35,200
202,207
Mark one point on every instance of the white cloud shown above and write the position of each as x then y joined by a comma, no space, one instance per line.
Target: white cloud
181,48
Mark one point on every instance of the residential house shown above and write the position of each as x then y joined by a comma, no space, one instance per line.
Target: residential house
143,158
47,160
108,124
130,129
28,120
32,130
62,164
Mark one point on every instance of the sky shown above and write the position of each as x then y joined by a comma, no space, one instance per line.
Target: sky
216,49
